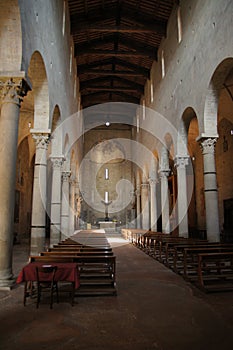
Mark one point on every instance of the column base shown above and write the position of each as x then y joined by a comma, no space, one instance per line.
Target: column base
7,284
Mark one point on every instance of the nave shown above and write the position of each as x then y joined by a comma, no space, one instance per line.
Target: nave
154,309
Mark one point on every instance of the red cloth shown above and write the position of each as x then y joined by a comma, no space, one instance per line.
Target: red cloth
65,272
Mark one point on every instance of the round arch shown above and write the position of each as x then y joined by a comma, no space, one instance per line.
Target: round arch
38,77
212,97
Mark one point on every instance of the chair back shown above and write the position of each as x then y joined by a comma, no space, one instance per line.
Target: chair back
43,272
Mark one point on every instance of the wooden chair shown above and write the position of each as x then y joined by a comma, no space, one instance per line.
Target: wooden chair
46,283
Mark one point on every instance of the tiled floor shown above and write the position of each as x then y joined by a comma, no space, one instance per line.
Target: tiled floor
154,309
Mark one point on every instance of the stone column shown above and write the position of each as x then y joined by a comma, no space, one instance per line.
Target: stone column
11,93
55,225
78,205
65,205
153,205
164,173
39,197
165,200
181,162
145,206
138,198
210,189
72,206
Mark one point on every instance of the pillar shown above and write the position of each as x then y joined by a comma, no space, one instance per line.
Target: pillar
39,197
181,162
11,93
65,205
165,200
210,189
138,200
78,205
138,206
153,205
72,206
55,223
164,173
145,206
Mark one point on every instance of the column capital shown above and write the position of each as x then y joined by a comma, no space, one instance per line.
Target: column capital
152,182
181,161
57,161
144,186
164,173
12,90
208,145
41,138
66,176
137,191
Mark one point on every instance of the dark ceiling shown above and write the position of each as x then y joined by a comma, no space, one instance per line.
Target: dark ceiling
116,42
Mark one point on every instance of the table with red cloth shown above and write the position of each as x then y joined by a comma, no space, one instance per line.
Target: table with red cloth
65,272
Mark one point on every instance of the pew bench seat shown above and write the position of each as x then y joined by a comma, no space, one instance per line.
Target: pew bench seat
215,271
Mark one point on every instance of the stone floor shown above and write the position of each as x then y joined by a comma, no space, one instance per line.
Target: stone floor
154,309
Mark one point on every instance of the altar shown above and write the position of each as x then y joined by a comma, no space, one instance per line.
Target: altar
107,225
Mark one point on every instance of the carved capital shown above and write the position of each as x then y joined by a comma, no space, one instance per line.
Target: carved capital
181,161
144,186
57,161
208,145
13,90
164,173
153,182
41,139
65,176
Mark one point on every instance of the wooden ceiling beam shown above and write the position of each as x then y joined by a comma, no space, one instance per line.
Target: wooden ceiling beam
97,97
84,68
108,72
136,19
105,89
112,53
99,63
114,29
141,48
129,83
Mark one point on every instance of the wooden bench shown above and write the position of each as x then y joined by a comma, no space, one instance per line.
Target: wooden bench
191,258
97,273
80,248
167,247
183,253
215,271
78,252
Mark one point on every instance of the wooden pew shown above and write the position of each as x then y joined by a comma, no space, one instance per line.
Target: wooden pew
167,246
97,273
80,248
181,252
82,251
75,253
191,258
215,271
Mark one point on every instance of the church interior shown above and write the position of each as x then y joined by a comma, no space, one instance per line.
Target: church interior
116,145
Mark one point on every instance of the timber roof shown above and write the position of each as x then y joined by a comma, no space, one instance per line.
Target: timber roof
115,44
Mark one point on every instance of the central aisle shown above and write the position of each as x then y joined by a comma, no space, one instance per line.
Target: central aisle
154,309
